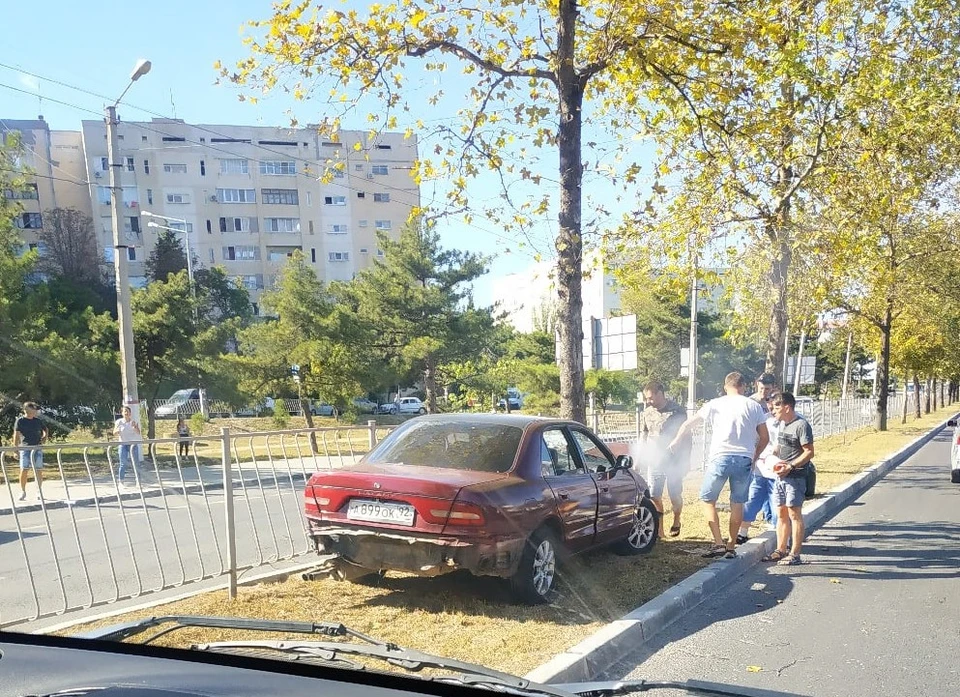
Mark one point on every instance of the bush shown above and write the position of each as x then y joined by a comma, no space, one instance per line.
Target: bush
281,417
197,424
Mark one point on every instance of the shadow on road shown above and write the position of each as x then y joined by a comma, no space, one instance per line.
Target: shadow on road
12,536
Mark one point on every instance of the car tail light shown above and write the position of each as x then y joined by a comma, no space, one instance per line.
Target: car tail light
459,514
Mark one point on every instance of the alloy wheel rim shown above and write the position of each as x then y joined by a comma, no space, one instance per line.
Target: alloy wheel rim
643,528
544,568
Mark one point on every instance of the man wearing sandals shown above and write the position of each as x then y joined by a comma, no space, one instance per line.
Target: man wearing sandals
660,421
739,434
793,451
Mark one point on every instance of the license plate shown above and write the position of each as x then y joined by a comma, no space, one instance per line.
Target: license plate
381,512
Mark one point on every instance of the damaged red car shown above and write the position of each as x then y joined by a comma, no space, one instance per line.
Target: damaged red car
496,495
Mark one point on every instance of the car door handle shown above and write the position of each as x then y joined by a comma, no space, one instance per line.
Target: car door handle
564,495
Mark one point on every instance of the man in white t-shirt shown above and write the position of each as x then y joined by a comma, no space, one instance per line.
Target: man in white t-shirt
739,435
128,432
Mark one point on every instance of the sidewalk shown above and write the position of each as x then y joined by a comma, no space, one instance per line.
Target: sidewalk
84,492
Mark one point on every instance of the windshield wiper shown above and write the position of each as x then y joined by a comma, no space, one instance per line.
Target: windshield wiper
693,687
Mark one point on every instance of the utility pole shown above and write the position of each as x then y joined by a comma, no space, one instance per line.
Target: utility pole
846,366
796,373
121,262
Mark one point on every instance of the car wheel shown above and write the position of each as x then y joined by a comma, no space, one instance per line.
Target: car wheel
643,533
536,578
422,411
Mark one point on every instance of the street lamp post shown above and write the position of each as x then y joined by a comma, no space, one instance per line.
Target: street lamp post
193,287
121,260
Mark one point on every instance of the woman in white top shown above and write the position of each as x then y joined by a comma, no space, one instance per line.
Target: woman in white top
128,433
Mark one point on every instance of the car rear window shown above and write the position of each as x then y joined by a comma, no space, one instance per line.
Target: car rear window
451,445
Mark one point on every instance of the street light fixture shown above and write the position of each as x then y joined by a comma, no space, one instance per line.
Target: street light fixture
121,260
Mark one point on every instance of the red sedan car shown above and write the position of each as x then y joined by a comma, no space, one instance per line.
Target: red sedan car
497,495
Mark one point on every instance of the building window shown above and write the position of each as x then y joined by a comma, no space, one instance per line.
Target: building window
178,198
133,223
237,195
379,169
203,168
150,196
235,165
363,250
238,225
338,256
379,252
338,174
143,139
339,228
309,199
313,256
330,144
175,168
146,166
384,147
212,257
252,282
27,191
361,194
358,168
278,167
335,200
282,196
362,223
132,253
29,221
129,164
281,224
256,309
104,164
381,198
241,253
383,225
209,228
310,225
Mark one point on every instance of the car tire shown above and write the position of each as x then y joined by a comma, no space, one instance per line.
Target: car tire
535,582
644,530
422,411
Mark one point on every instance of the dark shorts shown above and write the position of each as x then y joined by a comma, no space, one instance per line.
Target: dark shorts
789,491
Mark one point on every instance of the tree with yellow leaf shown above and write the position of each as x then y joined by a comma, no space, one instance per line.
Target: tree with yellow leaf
530,73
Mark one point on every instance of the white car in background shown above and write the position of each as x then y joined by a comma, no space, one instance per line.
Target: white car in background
404,405
954,451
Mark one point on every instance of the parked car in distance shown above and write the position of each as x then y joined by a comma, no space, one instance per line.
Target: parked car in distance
514,398
404,405
322,409
179,404
502,495
365,406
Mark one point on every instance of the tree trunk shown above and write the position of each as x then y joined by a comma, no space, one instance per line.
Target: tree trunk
936,382
151,419
916,394
926,399
308,417
906,381
883,369
569,242
776,334
430,383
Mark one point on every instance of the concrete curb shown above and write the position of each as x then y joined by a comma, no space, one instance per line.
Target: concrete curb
271,575
168,488
617,639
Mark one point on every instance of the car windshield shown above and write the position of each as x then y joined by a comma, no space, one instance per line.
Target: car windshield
575,338
451,445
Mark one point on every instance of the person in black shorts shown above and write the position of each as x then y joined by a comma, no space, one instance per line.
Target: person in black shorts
28,430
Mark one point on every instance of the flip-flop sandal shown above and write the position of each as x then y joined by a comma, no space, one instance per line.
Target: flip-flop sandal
675,530
790,560
776,556
730,554
715,551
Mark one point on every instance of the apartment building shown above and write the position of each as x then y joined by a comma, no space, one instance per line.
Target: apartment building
60,181
249,196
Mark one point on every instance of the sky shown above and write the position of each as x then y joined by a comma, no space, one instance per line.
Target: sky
94,46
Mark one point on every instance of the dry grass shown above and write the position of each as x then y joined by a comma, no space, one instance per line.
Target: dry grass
474,619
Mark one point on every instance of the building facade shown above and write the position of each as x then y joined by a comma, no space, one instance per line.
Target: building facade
249,196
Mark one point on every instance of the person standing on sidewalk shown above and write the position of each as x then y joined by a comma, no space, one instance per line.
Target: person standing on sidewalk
128,432
28,430
183,433
739,435
793,453
761,487
660,421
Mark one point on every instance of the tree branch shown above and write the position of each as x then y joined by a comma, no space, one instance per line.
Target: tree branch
420,50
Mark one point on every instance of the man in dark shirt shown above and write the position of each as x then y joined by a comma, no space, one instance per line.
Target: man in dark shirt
30,431
659,423
793,453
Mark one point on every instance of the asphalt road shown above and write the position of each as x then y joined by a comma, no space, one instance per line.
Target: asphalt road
874,610
139,546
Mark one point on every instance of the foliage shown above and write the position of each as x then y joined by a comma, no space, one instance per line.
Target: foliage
70,247
281,417
197,423
611,387
167,257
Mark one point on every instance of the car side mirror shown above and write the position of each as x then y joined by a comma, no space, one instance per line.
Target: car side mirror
952,424
624,462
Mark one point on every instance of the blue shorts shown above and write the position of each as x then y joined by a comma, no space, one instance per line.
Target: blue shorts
672,482
736,468
30,459
789,491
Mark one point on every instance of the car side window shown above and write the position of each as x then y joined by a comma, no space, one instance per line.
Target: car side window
557,456
594,457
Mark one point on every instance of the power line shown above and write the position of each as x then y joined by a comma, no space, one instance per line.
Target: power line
43,159
42,176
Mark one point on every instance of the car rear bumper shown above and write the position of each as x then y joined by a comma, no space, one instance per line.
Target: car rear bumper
424,555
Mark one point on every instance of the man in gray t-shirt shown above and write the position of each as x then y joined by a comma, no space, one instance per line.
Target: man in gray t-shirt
793,451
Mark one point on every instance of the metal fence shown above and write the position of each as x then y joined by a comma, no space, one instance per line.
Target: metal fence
827,417
194,509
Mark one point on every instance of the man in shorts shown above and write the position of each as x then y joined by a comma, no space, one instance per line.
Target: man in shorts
739,435
660,421
28,430
793,452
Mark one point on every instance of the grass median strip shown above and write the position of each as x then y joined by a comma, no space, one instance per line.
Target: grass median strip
474,619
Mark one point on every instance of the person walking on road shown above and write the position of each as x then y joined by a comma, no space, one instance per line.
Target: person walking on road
792,454
128,432
183,433
739,435
660,421
29,431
